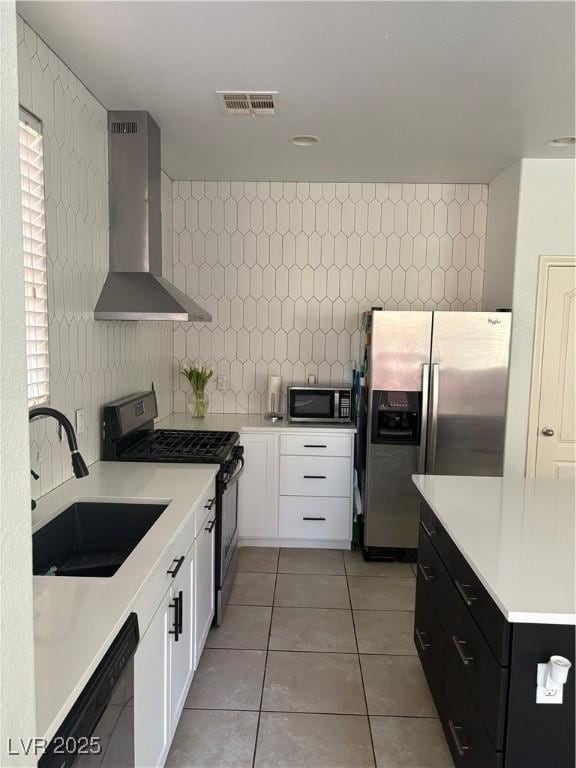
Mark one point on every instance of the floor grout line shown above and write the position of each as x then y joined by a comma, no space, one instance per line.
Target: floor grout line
361,675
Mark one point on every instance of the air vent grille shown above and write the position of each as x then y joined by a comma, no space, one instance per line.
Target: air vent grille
249,103
125,127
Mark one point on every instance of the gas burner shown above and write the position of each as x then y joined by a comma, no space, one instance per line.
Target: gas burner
184,446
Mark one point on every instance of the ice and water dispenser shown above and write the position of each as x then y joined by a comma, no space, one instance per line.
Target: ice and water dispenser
396,417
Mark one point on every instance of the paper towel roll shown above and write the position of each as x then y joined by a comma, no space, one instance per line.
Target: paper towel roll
274,393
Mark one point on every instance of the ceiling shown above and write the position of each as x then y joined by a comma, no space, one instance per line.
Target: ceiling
411,91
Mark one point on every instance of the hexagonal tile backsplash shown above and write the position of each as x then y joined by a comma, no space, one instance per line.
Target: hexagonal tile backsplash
90,363
287,268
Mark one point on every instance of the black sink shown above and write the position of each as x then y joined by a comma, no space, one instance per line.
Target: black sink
91,538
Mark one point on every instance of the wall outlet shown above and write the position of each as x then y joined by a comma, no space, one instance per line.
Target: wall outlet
80,421
222,382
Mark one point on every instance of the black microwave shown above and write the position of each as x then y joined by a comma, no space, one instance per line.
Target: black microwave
320,404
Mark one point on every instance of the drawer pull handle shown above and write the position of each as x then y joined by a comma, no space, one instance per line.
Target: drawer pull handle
460,747
311,445
176,565
428,531
420,636
468,599
210,503
424,571
313,518
460,647
178,616
315,477
210,526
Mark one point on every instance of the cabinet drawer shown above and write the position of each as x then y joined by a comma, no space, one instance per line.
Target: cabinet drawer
486,613
315,476
302,517
433,574
486,680
429,641
316,444
467,738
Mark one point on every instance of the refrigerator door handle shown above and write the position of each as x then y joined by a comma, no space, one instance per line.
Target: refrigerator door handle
424,419
433,417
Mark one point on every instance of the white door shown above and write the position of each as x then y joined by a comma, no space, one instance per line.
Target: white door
182,636
204,584
258,487
556,438
152,731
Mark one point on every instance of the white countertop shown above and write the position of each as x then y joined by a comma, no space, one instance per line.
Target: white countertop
243,422
77,618
518,537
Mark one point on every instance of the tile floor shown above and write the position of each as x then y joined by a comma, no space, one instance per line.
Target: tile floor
313,667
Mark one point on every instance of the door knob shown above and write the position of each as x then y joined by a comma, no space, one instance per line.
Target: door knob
548,432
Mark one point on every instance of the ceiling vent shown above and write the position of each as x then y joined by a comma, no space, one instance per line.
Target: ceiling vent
253,103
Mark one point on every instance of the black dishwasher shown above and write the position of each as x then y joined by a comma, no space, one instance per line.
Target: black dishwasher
99,729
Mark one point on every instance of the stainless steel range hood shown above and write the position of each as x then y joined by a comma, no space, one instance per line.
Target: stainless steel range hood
134,288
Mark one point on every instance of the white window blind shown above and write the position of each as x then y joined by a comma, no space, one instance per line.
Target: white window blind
34,246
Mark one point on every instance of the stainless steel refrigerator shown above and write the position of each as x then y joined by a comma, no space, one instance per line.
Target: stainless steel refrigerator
433,401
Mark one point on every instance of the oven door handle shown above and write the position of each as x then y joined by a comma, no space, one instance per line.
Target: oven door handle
236,476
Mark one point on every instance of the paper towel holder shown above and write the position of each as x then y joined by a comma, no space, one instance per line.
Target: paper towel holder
274,399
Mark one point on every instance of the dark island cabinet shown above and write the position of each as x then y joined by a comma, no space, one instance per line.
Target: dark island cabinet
481,669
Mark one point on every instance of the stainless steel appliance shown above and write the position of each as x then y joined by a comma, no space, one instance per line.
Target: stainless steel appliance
98,732
129,435
319,404
433,401
134,288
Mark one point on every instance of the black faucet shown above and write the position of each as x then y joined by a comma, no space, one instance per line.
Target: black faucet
78,463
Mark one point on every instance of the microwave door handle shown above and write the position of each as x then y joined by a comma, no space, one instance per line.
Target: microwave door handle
424,418
336,404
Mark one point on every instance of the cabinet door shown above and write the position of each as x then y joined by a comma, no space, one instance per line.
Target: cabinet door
152,691
258,487
204,585
182,643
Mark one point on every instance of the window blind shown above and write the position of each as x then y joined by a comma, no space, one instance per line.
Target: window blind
34,246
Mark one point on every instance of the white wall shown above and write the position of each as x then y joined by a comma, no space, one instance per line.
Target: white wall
287,268
17,701
545,225
501,239
91,362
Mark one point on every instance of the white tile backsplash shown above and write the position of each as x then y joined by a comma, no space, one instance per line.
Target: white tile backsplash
287,268
90,363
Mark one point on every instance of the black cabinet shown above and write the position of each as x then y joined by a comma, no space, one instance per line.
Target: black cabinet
482,670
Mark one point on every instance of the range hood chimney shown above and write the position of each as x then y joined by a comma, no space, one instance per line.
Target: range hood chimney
134,288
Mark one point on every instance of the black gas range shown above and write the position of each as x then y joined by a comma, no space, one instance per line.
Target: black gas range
129,435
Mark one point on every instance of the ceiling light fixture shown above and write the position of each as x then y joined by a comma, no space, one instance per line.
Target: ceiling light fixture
562,141
305,141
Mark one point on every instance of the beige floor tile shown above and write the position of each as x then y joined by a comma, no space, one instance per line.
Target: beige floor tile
244,627
382,594
356,566
385,632
258,559
253,589
312,629
313,741
228,679
214,739
406,742
323,683
301,591
396,686
319,561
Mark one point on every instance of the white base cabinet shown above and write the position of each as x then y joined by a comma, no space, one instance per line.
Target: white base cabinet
258,487
296,489
171,645
204,563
